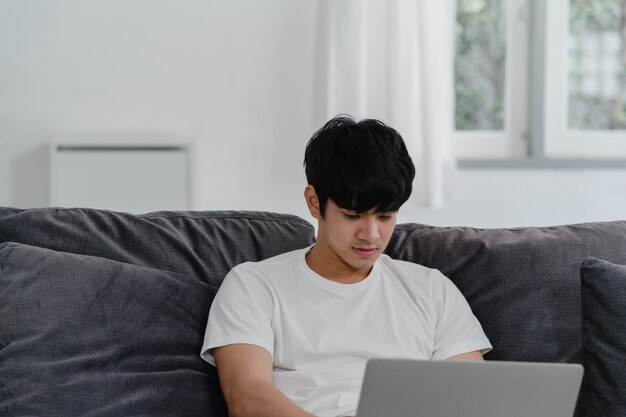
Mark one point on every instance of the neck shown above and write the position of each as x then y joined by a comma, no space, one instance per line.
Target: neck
328,265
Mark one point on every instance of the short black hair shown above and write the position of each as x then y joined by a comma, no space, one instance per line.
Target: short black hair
359,165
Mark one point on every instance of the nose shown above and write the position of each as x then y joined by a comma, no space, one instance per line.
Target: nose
368,230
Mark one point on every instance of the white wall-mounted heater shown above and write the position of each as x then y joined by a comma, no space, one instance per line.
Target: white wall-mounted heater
121,175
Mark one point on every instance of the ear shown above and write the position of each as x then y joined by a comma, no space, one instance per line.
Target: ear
312,202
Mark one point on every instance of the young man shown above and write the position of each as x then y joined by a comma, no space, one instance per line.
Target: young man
291,335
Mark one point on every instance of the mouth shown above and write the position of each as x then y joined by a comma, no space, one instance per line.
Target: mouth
365,252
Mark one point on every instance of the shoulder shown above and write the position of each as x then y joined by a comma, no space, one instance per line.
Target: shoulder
267,272
410,270
416,277
284,260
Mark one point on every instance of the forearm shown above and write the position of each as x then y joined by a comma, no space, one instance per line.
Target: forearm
262,399
245,373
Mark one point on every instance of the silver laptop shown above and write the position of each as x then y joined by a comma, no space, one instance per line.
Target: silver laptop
413,388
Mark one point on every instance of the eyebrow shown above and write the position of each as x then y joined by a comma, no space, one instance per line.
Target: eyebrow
366,212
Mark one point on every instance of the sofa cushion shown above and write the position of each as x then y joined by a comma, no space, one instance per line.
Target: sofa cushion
523,284
202,245
86,336
604,338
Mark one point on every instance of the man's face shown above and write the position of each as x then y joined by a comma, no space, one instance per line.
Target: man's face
348,243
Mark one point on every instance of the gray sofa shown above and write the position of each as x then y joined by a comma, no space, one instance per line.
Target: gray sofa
103,313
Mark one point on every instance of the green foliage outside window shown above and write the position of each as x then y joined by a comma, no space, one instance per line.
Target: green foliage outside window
479,65
597,62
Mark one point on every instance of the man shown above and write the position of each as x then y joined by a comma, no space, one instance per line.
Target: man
291,335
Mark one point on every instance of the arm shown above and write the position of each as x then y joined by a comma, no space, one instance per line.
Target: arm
468,356
245,373
459,335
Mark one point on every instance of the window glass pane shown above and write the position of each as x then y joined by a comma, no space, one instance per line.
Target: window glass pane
480,64
597,49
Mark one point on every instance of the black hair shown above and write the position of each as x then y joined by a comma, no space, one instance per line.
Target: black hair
359,165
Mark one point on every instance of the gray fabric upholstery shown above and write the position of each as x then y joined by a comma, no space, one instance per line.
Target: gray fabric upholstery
164,257
199,245
84,335
522,284
604,338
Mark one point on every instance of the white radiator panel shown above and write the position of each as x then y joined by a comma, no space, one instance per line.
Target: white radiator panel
135,179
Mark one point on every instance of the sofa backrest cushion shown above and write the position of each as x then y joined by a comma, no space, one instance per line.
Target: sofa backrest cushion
604,338
202,245
522,284
83,335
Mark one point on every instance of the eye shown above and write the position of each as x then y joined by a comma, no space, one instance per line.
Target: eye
351,216
385,217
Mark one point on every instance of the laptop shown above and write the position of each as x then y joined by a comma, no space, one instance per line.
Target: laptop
416,388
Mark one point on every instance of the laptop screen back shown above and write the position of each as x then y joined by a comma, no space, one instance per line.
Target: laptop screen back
411,388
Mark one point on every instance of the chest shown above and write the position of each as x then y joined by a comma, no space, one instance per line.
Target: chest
319,328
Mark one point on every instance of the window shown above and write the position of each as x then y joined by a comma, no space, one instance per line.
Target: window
480,34
540,79
584,92
595,67
490,78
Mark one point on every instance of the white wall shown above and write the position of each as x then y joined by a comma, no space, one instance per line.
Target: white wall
237,78
513,197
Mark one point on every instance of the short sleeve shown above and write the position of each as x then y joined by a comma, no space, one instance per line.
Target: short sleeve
241,313
458,330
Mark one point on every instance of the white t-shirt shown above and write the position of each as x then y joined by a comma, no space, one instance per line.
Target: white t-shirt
321,333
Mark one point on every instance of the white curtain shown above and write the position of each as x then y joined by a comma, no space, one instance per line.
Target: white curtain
393,60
